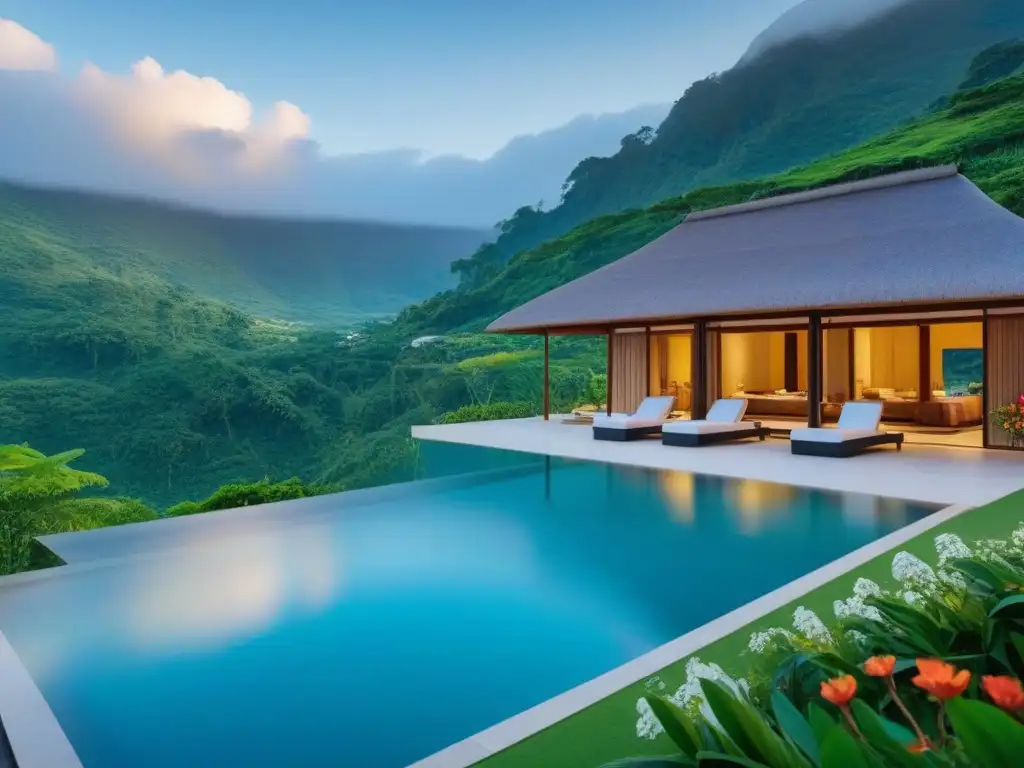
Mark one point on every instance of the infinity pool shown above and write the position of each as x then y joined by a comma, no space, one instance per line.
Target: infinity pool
371,635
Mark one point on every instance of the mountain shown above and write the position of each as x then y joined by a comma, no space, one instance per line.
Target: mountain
798,101
327,272
817,18
981,128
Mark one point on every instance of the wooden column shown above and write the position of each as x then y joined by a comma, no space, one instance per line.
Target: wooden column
547,376
699,370
611,362
924,355
647,344
852,362
986,381
814,370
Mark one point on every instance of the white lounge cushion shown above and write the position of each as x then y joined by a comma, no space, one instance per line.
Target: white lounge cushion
655,407
727,410
625,422
705,427
830,435
652,412
860,416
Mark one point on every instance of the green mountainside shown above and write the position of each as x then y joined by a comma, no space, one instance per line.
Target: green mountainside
795,103
327,272
173,393
982,129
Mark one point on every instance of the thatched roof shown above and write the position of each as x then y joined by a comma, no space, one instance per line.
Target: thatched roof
919,237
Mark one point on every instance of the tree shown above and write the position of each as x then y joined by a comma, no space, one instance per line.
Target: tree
31,484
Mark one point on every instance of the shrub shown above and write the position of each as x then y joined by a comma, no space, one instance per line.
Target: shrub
488,412
236,495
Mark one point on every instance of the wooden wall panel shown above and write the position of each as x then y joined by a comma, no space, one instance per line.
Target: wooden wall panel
629,371
1004,367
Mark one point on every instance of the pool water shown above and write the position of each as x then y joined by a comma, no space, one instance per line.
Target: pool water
375,635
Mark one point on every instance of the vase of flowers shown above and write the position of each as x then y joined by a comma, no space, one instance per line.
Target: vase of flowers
1010,419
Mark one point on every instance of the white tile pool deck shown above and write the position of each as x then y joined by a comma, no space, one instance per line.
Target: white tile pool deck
961,478
942,475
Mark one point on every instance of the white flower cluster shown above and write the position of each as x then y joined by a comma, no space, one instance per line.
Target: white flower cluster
913,571
689,695
1017,537
855,606
807,623
760,641
950,547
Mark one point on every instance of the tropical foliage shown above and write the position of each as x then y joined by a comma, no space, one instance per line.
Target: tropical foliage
236,495
927,675
32,487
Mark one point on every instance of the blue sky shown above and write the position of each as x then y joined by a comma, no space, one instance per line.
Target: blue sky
445,76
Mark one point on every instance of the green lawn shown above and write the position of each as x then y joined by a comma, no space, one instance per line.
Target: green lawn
605,730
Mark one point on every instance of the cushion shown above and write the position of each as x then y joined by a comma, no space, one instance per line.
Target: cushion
860,415
655,407
727,410
619,421
706,427
828,435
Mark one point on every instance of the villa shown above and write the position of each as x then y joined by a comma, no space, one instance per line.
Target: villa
906,289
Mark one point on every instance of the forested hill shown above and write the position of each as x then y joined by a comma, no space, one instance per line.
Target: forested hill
331,273
981,128
792,104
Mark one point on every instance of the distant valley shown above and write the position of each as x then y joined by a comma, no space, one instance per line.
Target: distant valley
329,273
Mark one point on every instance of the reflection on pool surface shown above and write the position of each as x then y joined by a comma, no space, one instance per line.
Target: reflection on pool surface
377,635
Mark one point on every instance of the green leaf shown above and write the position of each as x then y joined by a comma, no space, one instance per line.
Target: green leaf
748,728
821,722
676,723
840,750
990,737
886,737
716,759
1009,607
668,761
795,726
1018,644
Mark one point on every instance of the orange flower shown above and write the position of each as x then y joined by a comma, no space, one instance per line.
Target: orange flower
1006,692
880,666
940,679
1006,425
840,690
918,747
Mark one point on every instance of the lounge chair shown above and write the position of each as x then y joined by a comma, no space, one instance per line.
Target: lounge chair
856,431
648,419
724,423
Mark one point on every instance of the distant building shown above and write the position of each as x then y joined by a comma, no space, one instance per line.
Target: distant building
424,340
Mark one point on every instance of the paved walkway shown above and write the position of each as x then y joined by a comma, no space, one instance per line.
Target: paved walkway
964,476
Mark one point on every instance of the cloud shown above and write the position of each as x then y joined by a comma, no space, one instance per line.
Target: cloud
158,113
23,50
192,139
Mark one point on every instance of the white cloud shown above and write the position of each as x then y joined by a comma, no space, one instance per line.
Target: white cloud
23,50
151,110
192,139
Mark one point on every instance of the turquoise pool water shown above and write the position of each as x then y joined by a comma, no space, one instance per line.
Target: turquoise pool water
375,634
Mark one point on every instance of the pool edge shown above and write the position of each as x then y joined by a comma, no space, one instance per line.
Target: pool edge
35,736
517,728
